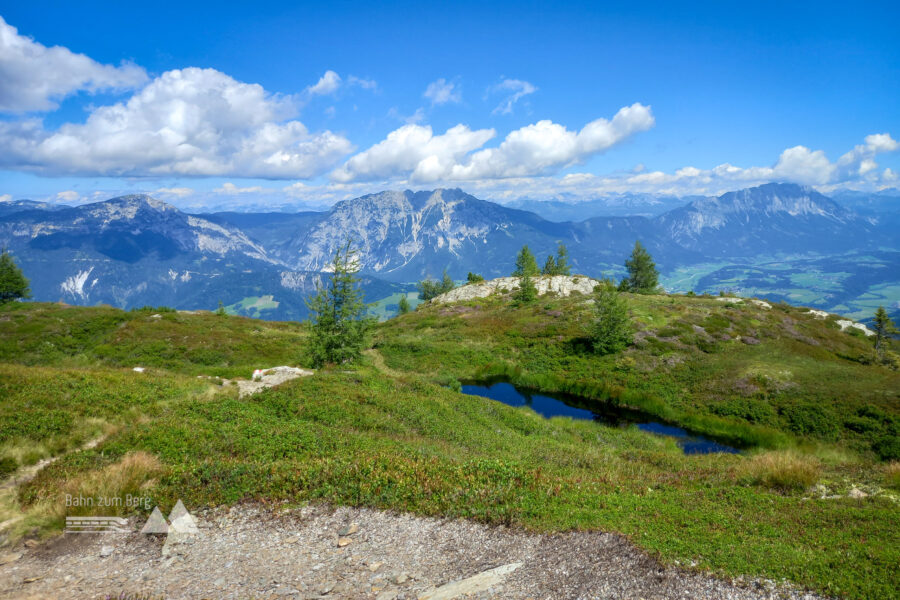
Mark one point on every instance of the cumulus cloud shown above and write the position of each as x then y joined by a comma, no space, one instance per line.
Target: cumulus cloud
195,122
34,77
5,198
233,190
327,84
515,89
442,92
68,196
178,192
413,151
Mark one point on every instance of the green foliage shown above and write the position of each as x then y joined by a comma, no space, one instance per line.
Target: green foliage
428,288
643,278
8,466
337,313
884,329
13,284
527,292
612,329
558,265
474,278
526,264
221,310
403,305
812,419
549,266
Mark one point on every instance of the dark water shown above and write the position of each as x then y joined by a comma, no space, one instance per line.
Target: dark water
575,408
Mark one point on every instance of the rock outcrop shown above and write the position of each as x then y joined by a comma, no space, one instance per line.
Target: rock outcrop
563,285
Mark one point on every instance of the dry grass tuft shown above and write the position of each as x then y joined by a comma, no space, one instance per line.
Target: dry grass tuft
783,470
892,475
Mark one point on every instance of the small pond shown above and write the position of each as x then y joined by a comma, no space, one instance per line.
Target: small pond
559,405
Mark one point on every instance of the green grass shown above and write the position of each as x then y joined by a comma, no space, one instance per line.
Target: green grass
365,440
803,381
407,441
201,343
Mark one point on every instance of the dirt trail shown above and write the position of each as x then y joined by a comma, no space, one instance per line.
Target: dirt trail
378,361
320,552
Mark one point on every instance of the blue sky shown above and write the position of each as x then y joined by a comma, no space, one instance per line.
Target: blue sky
293,103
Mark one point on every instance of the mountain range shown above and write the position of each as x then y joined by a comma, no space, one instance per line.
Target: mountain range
136,250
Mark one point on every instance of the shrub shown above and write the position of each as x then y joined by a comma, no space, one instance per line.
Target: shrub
782,470
8,466
887,446
812,419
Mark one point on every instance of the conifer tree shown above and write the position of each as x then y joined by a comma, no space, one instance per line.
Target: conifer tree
611,331
562,261
526,264
527,292
13,284
643,278
403,305
884,328
337,313
550,267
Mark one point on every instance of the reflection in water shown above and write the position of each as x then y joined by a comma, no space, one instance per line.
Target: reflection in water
565,406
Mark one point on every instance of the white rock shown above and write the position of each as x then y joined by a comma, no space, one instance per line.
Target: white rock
139,369
819,314
265,378
733,299
844,324
471,585
761,303
106,551
563,285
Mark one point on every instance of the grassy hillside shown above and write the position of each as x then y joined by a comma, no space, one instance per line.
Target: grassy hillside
391,432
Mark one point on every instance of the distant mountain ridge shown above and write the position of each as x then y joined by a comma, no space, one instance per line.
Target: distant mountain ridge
137,250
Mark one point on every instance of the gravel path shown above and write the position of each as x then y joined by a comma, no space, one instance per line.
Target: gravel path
322,552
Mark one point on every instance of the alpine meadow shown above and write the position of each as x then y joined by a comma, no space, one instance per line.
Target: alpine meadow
474,300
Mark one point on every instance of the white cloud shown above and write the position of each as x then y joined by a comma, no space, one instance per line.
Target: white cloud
195,122
366,84
517,89
442,92
327,84
68,196
413,151
233,190
34,77
5,198
178,192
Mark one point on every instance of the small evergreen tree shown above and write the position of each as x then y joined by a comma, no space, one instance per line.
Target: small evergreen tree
474,278
527,292
221,310
562,261
428,288
643,278
550,267
884,328
403,305
446,283
13,284
337,313
611,331
526,264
